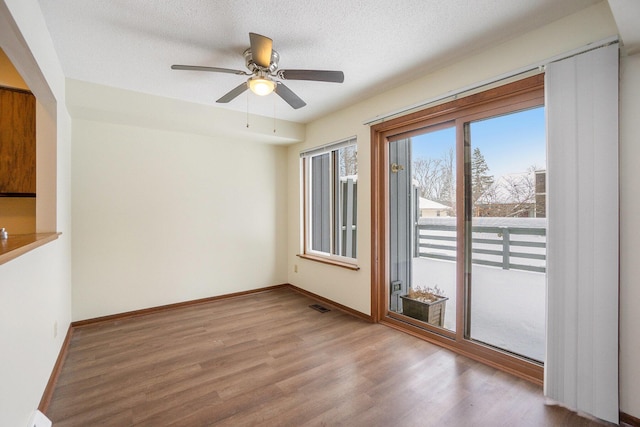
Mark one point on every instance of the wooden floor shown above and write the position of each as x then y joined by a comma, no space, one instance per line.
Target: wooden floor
269,359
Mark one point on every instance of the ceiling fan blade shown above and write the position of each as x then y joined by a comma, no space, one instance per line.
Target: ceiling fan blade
231,95
290,97
213,69
315,75
261,48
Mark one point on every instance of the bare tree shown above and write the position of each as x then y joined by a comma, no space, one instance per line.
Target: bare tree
512,195
436,178
447,195
426,171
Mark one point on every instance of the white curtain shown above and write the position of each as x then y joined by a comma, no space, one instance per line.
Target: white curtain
581,367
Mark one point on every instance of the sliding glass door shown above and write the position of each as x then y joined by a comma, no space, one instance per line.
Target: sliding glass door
462,192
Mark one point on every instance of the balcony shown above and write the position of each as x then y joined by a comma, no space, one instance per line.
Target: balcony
507,277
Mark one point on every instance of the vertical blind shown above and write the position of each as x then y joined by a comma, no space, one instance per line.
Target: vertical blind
581,368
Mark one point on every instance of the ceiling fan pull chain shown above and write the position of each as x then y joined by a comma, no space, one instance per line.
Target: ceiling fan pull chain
247,110
274,114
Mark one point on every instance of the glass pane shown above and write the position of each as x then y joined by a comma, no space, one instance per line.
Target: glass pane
320,234
508,240
346,206
423,252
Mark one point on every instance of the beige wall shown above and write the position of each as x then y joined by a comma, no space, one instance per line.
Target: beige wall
9,76
35,289
161,216
353,288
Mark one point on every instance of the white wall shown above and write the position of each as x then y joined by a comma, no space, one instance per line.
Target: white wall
35,289
161,216
629,235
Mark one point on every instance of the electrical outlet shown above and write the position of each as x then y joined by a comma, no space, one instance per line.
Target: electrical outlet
295,268
55,329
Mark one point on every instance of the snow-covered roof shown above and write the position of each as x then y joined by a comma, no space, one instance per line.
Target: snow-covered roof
430,204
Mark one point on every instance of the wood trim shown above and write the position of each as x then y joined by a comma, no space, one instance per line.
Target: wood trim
523,370
378,221
327,301
161,308
629,419
20,244
158,309
455,107
330,261
523,93
55,373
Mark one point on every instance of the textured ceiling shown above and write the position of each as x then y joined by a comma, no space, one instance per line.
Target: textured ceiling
378,44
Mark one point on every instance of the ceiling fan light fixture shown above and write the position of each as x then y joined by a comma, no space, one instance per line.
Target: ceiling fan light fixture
261,86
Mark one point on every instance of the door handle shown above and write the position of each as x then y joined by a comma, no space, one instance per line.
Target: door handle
395,168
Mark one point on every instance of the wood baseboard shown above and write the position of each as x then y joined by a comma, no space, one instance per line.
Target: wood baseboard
151,310
327,301
55,373
629,419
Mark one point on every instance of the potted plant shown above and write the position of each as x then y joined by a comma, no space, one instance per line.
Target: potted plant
426,304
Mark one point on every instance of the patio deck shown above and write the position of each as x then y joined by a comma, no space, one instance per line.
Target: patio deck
508,306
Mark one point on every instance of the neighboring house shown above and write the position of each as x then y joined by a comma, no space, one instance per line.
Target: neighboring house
429,208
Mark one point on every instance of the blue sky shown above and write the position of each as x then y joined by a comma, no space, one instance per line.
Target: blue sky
509,143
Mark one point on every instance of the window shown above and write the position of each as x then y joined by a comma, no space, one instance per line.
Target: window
330,182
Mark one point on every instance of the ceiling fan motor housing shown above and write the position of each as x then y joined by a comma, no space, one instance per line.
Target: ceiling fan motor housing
255,68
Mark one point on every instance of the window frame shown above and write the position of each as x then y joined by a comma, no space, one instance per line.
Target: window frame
333,210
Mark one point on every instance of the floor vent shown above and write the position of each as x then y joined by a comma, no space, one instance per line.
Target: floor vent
319,308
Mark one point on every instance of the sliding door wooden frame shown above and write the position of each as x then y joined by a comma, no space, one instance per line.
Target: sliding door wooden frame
522,94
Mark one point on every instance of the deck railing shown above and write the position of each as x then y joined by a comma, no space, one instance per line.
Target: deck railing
506,247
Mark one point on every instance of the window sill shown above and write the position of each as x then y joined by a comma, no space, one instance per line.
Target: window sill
330,261
20,244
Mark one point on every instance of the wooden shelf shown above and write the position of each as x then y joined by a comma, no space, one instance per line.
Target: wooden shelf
20,244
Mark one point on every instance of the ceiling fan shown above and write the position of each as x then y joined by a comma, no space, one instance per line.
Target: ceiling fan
262,62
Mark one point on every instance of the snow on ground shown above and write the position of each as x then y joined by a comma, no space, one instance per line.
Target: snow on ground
508,306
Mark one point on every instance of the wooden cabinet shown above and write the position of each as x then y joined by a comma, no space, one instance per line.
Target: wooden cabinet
17,142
